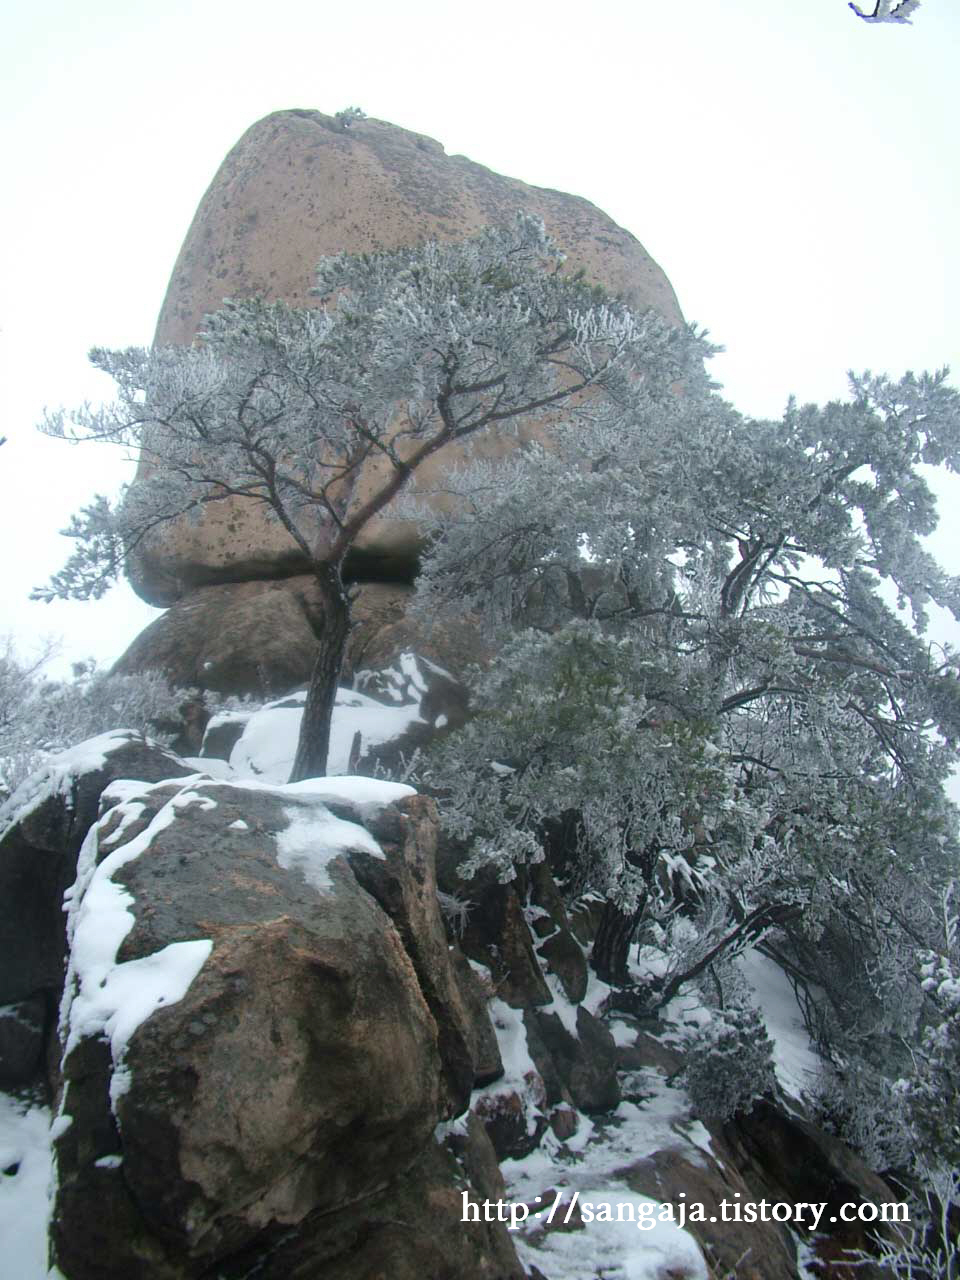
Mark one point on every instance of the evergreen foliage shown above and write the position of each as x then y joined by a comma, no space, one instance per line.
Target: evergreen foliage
412,350
729,1063
716,677
39,716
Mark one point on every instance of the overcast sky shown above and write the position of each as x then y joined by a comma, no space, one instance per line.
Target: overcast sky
792,169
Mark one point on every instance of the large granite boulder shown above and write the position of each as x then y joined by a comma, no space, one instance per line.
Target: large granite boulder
257,1055
296,187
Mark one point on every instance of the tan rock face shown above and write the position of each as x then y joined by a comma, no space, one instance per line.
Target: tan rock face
259,637
295,188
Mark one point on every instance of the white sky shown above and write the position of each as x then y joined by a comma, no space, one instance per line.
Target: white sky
792,169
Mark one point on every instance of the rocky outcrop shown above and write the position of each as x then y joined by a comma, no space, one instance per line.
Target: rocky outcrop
495,932
291,1091
280,1059
297,187
787,1158
42,827
259,637
23,1035
749,1251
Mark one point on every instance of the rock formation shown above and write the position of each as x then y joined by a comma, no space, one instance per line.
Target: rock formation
334,1068
38,863
296,187
280,1034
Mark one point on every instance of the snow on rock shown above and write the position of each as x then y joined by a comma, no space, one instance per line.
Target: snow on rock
314,838
105,997
402,682
25,1177
308,1023
518,1066
102,996
113,999
59,773
367,795
268,744
211,766
228,717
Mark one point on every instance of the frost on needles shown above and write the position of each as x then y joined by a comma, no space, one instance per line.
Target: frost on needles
410,352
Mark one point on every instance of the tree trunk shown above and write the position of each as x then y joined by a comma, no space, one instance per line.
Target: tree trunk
334,627
611,947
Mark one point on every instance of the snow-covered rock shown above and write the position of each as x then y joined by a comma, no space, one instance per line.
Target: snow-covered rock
42,826
262,1026
267,743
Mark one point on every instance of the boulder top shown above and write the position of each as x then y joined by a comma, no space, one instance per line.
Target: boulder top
299,185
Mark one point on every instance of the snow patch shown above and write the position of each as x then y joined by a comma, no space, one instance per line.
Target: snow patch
25,1191
59,773
625,1239
512,1040
794,1058
268,744
211,766
591,1163
102,997
314,838
369,796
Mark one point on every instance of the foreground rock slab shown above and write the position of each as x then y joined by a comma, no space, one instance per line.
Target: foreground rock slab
285,1079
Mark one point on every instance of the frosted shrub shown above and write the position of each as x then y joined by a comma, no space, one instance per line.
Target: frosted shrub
729,1063
38,716
858,1102
455,911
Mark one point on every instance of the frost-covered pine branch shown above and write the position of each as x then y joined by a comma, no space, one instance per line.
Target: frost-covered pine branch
39,716
887,11
412,351
704,703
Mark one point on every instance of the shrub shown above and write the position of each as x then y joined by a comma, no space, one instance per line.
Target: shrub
729,1063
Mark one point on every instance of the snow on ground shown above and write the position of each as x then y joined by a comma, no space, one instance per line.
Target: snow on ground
623,1240
660,1121
794,1057
25,1178
588,1163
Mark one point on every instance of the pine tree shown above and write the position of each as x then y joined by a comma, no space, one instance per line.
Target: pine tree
411,351
709,687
